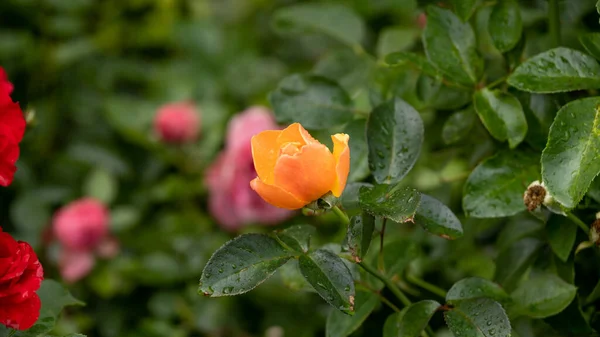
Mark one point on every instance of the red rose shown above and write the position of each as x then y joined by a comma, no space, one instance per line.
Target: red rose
21,274
12,128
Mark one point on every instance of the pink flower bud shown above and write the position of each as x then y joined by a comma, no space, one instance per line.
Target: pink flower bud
82,224
177,123
232,202
75,265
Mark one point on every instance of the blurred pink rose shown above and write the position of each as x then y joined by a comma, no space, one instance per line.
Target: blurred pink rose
232,202
177,122
75,265
82,224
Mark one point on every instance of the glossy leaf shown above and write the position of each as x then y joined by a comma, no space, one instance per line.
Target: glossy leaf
518,228
293,278
359,159
556,70
242,264
495,187
359,234
416,61
437,218
412,320
502,115
313,101
505,25
437,94
297,237
394,137
512,263
398,255
451,46
561,235
330,277
395,202
481,317
350,197
591,43
543,295
341,325
570,159
458,125
464,8
475,287
571,321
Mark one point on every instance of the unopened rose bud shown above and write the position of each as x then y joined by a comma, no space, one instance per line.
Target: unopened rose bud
82,224
535,195
177,123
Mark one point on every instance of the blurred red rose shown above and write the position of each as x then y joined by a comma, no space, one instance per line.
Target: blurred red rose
82,224
177,123
232,202
21,275
12,128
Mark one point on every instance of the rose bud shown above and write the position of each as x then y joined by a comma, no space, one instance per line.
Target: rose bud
12,129
294,169
82,224
21,275
177,123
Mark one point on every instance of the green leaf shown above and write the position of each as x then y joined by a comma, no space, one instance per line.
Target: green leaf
451,46
315,102
543,295
101,185
350,197
458,125
330,277
436,94
398,255
350,70
464,8
512,263
292,277
505,25
481,317
337,21
297,237
411,321
359,234
416,61
502,115
394,137
437,218
570,159
556,70
242,264
475,287
591,43
359,160
394,39
518,228
341,325
571,321
561,235
495,187
395,202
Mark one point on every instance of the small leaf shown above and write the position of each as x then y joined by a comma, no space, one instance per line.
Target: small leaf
292,277
337,21
518,228
242,264
315,102
359,160
398,255
561,235
556,70
505,25
458,125
416,61
481,317
394,137
394,39
437,218
543,295
495,187
464,8
436,94
411,321
342,325
395,202
502,115
571,321
350,197
451,46
359,234
297,237
591,43
570,159
330,277
512,263
475,287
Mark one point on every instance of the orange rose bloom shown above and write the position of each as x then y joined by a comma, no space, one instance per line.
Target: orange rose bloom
294,169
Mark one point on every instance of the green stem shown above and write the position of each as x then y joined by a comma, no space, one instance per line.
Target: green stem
497,82
388,283
342,215
554,22
380,263
426,285
579,223
381,297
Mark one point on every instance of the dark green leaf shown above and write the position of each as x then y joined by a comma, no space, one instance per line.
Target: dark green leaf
395,202
350,197
571,321
437,218
556,70
570,159
359,234
594,295
543,295
434,93
505,25
475,287
594,190
416,61
518,228
242,264
398,255
394,137
481,317
359,159
315,102
512,263
292,277
561,235
495,187
450,45
334,20
345,67
341,325
502,115
464,8
330,277
411,321
297,237
591,42
458,125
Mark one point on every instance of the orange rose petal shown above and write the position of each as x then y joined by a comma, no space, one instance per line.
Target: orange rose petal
276,196
341,153
295,133
307,175
264,154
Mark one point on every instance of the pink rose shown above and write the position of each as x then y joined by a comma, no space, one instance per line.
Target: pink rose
177,123
232,202
82,224
75,265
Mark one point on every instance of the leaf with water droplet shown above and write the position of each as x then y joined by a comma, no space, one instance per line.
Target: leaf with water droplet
359,234
591,42
297,237
514,261
502,115
341,325
475,287
398,255
458,125
396,202
543,295
359,160
411,321
561,235
464,8
491,319
505,25
437,218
